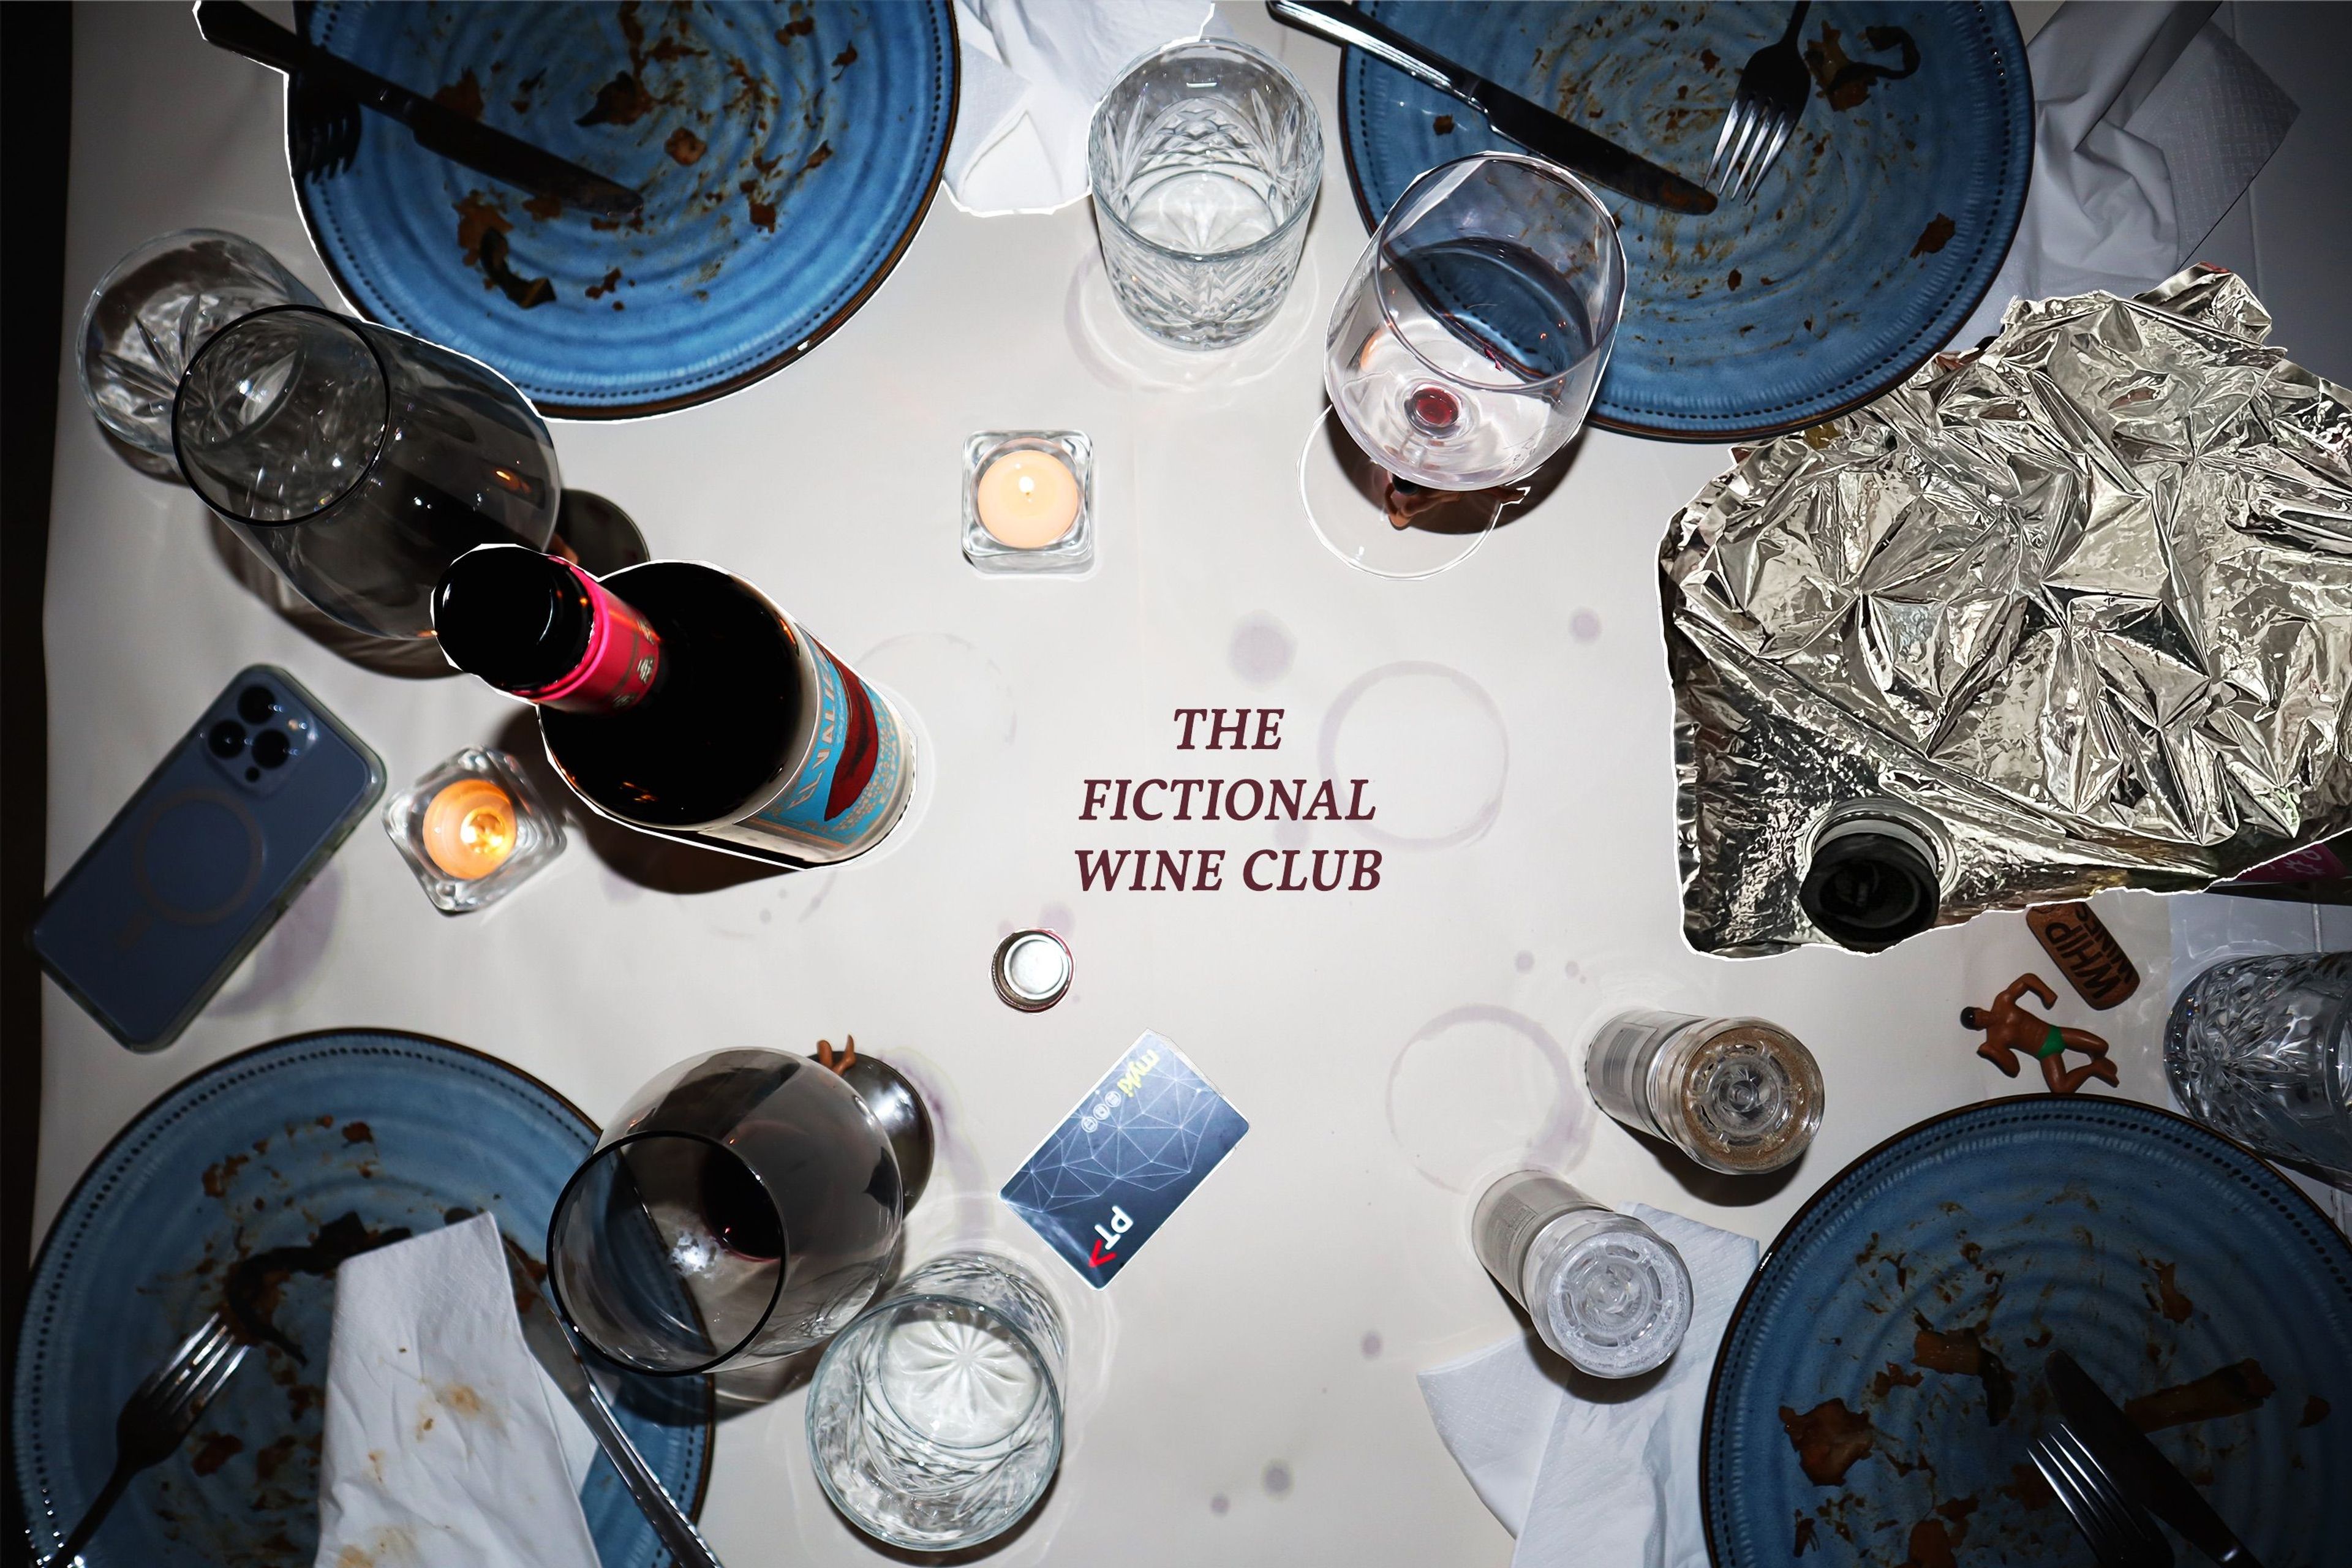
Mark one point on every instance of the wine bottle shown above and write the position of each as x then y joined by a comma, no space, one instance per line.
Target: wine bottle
676,699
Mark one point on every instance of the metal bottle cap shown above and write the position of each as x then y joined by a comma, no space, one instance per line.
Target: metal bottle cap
1032,970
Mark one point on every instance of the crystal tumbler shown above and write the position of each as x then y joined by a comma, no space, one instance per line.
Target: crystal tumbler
150,315
1204,159
361,461
935,1420
2256,1047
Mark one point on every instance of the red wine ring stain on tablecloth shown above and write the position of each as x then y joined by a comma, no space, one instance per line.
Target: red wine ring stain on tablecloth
1436,742
1480,1085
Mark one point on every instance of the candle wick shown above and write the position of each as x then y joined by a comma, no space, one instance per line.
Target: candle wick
1028,485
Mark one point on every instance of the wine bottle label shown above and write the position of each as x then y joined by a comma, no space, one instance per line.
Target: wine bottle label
854,775
622,657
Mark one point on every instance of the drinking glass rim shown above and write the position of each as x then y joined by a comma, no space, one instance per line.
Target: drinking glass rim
1051,1389
1379,245
555,1288
383,430
1226,45
1049,1385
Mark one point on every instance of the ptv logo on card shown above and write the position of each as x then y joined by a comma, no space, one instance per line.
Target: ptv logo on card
1105,1249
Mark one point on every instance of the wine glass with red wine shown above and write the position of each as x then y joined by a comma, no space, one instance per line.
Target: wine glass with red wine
1464,352
744,1207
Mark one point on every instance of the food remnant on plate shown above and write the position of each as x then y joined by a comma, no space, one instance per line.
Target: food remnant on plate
358,1133
1931,1546
1935,237
1962,1353
1804,1542
215,1451
2314,1410
1846,83
623,100
463,96
251,1289
2168,1298
1829,1439
684,146
2233,1390
1443,125
1892,1376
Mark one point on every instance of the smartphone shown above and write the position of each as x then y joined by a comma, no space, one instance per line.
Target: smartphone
232,823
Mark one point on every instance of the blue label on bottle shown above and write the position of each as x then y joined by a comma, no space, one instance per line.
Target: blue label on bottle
854,770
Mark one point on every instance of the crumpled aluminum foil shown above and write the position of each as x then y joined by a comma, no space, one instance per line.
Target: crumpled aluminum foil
2084,597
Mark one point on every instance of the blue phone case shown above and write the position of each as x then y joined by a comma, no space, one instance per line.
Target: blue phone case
198,867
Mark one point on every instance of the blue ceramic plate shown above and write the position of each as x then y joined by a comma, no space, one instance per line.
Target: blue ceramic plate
786,154
2180,1269
261,1151
1876,233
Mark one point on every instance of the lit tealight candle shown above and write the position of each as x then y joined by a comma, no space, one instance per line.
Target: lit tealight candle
1027,499
470,828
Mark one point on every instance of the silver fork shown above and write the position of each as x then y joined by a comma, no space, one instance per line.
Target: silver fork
157,1418
2120,1532
1774,88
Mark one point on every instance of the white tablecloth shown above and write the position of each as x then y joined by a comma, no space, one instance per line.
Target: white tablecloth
1247,1387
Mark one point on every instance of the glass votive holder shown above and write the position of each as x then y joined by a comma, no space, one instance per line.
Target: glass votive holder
1029,502
473,830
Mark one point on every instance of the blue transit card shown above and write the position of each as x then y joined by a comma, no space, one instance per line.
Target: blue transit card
1118,1164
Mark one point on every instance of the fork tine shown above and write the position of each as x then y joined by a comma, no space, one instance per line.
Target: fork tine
1750,136
1764,159
181,1362
1732,119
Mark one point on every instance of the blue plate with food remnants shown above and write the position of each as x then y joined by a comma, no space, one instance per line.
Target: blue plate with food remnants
786,154
1882,1376
1871,240
239,1191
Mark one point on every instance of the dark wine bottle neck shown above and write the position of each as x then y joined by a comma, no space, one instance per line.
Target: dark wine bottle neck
544,630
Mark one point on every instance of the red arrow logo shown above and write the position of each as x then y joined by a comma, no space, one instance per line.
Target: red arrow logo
1099,1256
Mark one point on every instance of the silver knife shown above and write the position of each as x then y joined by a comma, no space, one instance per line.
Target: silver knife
551,1345
1508,115
240,29
2138,1467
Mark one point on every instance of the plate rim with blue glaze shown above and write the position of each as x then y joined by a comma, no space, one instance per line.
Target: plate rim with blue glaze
1897,368
2118,1113
68,1230
553,406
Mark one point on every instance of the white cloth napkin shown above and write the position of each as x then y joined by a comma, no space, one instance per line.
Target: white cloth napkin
1032,73
1584,1470
446,1444
2148,124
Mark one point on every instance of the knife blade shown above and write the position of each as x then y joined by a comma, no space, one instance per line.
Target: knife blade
2139,1467
240,29
1508,115
550,1345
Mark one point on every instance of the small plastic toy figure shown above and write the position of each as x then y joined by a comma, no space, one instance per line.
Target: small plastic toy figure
826,1057
2010,1031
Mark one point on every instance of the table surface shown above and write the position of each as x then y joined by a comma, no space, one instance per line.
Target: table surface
1248,1384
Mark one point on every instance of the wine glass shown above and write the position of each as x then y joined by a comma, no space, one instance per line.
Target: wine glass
1463,353
744,1207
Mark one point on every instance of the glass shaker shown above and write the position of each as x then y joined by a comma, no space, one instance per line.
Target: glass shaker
1737,1095
1608,1294
744,1207
361,461
2256,1047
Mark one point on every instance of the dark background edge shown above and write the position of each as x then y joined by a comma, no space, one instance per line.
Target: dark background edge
36,118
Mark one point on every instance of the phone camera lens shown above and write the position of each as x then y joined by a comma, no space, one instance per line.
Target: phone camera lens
228,738
272,748
255,704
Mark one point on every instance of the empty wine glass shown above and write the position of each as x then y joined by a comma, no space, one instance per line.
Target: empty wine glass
744,1207
1463,353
